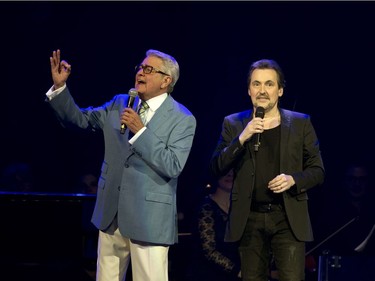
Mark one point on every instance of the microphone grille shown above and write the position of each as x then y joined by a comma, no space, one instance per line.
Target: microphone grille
259,112
133,92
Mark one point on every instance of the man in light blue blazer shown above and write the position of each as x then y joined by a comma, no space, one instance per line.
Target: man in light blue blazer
135,209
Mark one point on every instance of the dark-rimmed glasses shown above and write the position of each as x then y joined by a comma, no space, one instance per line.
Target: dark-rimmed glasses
147,69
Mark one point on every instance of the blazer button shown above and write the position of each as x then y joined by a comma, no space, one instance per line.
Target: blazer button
126,165
119,187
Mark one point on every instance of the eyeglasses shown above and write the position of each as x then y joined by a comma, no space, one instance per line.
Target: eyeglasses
147,69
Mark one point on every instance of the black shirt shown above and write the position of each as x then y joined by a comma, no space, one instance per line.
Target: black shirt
267,161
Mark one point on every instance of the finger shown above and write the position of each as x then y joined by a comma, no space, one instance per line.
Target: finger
52,62
67,66
58,55
53,59
58,61
274,181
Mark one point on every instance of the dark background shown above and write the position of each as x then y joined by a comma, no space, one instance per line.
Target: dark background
326,50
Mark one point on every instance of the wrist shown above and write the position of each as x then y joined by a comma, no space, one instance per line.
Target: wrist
58,86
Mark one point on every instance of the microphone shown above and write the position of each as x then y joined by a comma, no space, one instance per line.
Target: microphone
132,94
258,113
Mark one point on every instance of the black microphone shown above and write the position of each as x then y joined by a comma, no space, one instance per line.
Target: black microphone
132,94
258,113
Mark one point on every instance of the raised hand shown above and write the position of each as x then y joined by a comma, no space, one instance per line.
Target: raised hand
60,70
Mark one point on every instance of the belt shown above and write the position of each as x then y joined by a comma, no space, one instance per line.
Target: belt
266,208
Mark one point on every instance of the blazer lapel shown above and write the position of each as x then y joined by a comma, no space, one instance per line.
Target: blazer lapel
161,115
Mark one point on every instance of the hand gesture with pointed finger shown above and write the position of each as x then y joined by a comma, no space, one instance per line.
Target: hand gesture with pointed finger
60,70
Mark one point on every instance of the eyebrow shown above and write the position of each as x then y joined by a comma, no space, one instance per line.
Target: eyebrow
267,81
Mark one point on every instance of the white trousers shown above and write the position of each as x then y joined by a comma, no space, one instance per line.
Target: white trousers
149,262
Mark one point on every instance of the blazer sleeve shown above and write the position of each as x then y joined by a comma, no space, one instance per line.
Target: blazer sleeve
228,150
312,172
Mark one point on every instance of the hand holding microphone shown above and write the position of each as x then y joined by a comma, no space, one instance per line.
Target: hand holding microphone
133,93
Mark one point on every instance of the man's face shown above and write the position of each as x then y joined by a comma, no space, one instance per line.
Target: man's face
356,181
226,182
152,84
263,88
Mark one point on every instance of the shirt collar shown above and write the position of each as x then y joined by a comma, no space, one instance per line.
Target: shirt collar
155,103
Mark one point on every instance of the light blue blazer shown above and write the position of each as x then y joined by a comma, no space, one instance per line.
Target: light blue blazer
138,182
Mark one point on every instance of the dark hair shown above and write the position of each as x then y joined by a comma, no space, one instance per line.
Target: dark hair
267,64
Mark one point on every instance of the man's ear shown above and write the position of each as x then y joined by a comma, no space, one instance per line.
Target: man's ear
166,81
